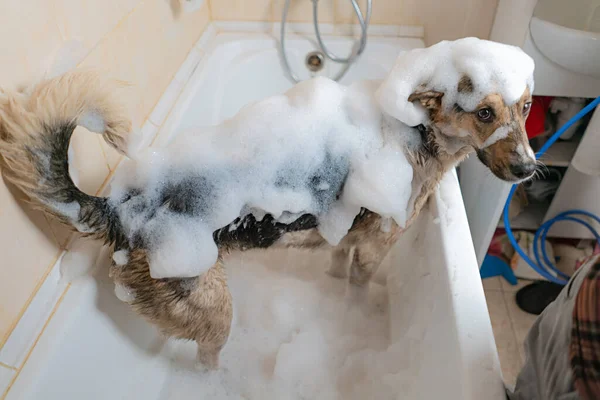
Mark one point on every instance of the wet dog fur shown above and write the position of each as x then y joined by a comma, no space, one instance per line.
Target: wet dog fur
35,130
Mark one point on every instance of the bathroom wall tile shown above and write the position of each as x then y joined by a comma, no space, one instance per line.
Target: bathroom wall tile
244,26
62,234
450,19
6,376
88,161
241,10
28,248
111,156
383,12
302,10
29,37
480,18
443,20
146,49
90,21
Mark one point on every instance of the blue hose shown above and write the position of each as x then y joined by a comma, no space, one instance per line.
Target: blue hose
542,264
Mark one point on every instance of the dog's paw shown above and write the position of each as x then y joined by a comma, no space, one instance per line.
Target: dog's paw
203,368
207,360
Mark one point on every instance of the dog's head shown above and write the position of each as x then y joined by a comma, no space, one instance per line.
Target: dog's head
472,94
495,129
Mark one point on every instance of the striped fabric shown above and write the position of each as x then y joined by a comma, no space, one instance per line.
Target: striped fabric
585,336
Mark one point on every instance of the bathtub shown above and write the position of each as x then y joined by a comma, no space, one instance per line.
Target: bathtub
95,347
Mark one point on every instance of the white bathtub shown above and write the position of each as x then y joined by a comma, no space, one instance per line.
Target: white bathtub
94,347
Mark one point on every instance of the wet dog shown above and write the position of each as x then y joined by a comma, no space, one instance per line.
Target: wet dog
36,127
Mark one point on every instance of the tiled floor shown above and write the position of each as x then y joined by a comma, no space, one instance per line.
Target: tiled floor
510,324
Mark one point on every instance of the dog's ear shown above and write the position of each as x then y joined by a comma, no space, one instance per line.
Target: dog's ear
465,85
431,99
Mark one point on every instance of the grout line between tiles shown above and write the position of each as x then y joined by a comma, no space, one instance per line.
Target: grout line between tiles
51,231
8,366
100,138
30,299
193,48
210,14
103,38
62,34
37,339
272,11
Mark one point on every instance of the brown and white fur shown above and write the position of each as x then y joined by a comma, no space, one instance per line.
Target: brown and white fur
35,129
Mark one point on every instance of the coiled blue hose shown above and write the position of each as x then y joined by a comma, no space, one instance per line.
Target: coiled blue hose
543,263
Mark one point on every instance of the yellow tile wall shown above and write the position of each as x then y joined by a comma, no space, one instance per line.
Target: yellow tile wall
143,42
447,19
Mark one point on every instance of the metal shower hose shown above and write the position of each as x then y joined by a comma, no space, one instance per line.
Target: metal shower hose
347,61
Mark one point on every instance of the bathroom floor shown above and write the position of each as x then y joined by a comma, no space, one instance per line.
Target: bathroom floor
510,324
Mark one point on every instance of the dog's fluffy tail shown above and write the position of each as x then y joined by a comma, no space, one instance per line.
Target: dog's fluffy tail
35,130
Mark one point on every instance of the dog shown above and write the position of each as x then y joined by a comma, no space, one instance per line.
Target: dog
36,127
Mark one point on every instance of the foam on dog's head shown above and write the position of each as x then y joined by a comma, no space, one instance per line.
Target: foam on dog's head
490,67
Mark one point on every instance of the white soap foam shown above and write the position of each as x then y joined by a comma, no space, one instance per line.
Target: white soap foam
287,155
121,257
124,293
92,121
492,68
306,341
386,225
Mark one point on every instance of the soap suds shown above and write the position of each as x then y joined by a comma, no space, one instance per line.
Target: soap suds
92,121
306,340
124,293
318,149
121,257
386,225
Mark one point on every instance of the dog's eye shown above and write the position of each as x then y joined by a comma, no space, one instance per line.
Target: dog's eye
485,114
526,108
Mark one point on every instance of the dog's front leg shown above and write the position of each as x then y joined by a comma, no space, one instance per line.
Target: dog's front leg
341,257
365,262
212,323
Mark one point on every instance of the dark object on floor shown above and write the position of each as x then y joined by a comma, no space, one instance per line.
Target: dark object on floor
535,297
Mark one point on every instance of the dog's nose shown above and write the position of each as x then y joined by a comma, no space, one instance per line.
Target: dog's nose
522,170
